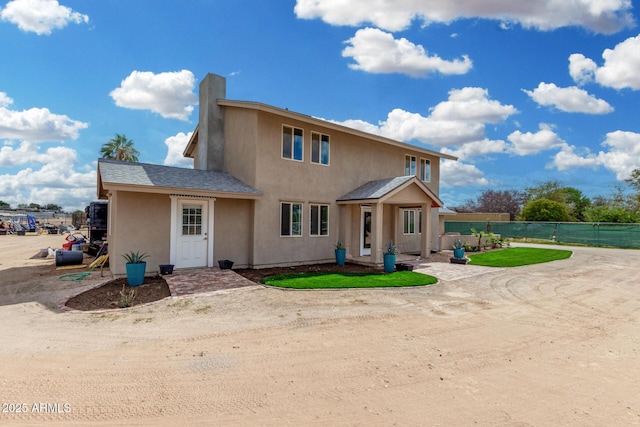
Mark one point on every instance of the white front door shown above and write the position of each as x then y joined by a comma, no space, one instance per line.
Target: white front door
365,231
192,245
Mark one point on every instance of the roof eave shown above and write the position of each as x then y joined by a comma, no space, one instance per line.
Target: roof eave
192,144
116,186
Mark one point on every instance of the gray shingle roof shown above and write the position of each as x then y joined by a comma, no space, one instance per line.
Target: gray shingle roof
375,189
148,175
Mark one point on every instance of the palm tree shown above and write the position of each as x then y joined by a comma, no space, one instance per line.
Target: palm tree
120,148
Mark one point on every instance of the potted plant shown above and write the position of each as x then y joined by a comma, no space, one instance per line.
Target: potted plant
458,249
389,257
136,267
341,253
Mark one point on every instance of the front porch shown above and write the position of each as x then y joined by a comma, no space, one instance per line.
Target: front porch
394,209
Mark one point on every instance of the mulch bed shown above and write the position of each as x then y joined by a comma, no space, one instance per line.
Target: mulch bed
107,296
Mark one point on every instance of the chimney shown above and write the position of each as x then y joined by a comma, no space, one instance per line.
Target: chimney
211,123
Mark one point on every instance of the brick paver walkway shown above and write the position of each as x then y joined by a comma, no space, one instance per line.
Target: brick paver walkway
200,281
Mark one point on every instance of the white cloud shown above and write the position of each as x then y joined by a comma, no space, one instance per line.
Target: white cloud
619,70
452,123
459,174
567,158
40,16
169,94
581,69
596,15
52,177
176,145
568,99
528,143
477,149
36,124
376,51
472,104
406,126
621,64
622,156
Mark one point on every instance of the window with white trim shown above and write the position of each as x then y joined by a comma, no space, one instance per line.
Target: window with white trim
425,170
409,223
191,220
319,148
290,219
292,143
319,220
409,165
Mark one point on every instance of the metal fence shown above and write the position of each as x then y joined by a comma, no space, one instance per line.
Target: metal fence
597,234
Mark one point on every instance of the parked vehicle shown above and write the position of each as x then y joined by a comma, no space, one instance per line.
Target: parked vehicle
97,213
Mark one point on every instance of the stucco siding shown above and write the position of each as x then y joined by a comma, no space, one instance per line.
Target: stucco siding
141,222
241,137
233,228
353,161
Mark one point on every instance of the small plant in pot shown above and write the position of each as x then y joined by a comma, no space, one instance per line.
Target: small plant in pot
458,249
136,267
341,253
389,257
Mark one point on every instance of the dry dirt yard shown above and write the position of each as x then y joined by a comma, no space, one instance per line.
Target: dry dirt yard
551,344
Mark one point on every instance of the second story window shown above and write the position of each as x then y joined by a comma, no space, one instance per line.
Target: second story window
292,143
425,170
319,148
409,165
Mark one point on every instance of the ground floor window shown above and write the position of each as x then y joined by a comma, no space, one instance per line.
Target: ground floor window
291,219
319,220
409,223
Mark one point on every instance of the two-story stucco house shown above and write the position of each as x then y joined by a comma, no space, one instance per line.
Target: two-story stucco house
271,187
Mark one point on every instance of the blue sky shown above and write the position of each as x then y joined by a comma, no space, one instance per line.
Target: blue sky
522,92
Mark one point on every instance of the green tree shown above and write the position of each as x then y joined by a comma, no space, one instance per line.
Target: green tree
545,210
52,207
618,208
120,148
496,201
550,190
4,205
576,203
634,180
573,199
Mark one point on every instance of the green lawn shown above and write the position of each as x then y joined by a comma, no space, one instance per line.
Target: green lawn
515,257
349,280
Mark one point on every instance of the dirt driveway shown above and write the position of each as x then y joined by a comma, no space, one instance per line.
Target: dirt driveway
553,344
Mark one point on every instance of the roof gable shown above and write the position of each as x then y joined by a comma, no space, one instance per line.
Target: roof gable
386,189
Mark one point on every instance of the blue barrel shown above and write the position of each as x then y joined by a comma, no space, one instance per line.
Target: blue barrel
68,258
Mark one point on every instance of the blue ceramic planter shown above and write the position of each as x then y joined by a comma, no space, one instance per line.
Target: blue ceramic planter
389,263
458,253
341,256
135,273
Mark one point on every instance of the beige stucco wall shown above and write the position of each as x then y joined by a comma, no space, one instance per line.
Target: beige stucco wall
141,222
233,225
353,161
